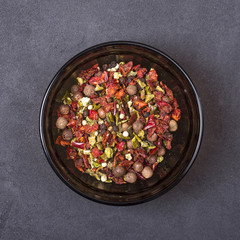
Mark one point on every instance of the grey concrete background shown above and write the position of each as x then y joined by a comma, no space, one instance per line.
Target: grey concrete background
38,37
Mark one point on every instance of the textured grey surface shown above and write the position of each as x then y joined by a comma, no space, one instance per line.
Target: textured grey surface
38,37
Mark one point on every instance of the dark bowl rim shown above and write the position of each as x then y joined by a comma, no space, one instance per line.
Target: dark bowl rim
42,108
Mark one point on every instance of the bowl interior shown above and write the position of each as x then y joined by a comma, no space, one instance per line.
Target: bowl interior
184,145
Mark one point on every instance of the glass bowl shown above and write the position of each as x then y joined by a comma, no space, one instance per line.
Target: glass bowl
186,141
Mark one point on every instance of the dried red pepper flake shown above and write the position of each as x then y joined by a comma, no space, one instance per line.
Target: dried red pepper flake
79,145
110,76
119,180
116,158
159,142
161,129
72,115
87,74
150,123
151,85
141,72
99,80
151,131
135,68
74,105
174,103
111,139
96,80
165,118
158,95
89,129
120,94
72,123
101,100
105,76
65,143
138,103
112,89
167,137
101,160
71,153
141,152
120,145
169,92
93,114
58,140
154,166
80,169
85,161
176,114
127,164
167,144
114,107
153,151
153,75
125,109
108,107
133,82
164,106
96,152
105,138
126,68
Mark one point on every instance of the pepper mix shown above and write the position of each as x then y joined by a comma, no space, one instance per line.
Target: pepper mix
116,122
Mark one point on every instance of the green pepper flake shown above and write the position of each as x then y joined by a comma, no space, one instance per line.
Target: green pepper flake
104,157
135,143
117,75
117,118
109,152
80,103
99,145
113,145
141,84
86,152
126,98
96,107
80,152
90,121
144,144
68,101
92,173
136,136
151,147
96,164
109,117
109,181
147,145
99,138
158,88
149,97
120,135
129,103
80,81
148,91
66,98
160,159
132,74
66,95
141,134
98,88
